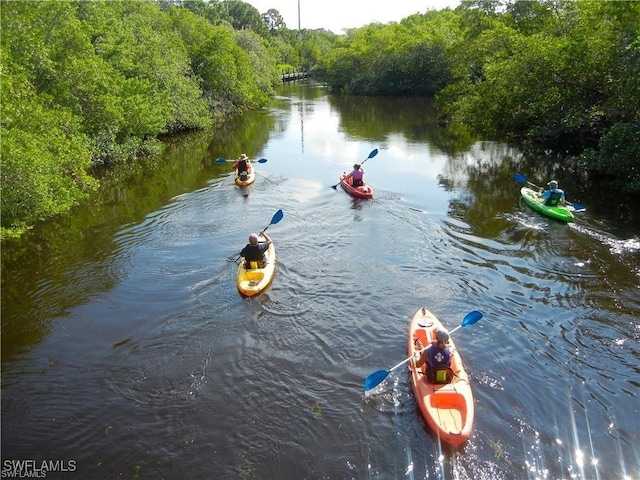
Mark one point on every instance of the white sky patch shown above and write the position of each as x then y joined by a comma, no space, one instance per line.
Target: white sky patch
337,15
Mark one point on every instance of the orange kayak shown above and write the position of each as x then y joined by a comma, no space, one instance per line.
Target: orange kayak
447,408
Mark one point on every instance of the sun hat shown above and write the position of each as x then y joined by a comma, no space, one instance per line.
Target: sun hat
442,335
253,238
243,157
552,184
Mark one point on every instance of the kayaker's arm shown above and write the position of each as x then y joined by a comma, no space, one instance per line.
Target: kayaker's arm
420,356
267,238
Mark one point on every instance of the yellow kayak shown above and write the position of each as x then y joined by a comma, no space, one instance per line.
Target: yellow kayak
254,280
248,180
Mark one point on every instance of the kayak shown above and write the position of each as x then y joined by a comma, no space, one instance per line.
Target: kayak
253,281
363,191
535,201
448,407
251,176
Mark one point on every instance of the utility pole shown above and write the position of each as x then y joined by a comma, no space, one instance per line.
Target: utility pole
299,30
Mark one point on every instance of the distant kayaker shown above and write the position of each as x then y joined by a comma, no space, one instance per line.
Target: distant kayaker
357,175
254,250
553,195
436,356
243,165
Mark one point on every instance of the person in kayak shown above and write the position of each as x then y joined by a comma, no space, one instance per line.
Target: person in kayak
254,251
553,195
437,356
243,165
357,176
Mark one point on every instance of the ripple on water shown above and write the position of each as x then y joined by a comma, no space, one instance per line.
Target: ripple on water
158,373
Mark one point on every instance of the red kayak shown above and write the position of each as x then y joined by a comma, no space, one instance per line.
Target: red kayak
363,191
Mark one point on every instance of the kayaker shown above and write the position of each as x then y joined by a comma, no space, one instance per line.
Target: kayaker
357,175
243,165
553,195
254,250
436,356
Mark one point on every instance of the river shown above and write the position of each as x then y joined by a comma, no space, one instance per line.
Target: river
127,351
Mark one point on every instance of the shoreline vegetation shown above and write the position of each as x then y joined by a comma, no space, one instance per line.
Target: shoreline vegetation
91,84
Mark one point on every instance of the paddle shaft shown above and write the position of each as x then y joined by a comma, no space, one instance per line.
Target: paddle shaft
406,360
224,160
420,351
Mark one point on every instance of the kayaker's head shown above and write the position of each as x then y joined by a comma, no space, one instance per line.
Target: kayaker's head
356,166
442,335
253,239
552,184
244,157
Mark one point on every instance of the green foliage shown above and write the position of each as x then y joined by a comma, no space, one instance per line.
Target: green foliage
95,82
616,160
263,64
395,59
273,20
44,159
244,16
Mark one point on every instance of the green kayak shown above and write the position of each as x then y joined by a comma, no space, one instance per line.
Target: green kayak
535,201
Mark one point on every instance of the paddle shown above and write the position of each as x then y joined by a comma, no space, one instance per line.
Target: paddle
275,219
373,153
223,160
376,378
522,179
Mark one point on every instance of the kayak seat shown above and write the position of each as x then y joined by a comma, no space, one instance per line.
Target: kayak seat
254,265
253,275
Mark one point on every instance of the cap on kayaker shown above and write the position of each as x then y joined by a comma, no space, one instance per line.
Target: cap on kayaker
552,184
253,239
442,335
244,157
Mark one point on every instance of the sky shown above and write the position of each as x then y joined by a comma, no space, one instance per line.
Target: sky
336,15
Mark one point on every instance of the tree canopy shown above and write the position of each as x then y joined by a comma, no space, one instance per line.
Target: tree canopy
87,83
90,83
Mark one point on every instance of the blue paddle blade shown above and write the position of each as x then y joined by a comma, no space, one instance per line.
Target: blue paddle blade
375,379
277,217
471,318
262,160
373,153
519,178
220,160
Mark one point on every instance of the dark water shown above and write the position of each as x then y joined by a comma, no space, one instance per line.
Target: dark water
128,353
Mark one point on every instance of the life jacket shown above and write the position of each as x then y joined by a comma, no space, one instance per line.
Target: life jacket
439,358
356,178
553,199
